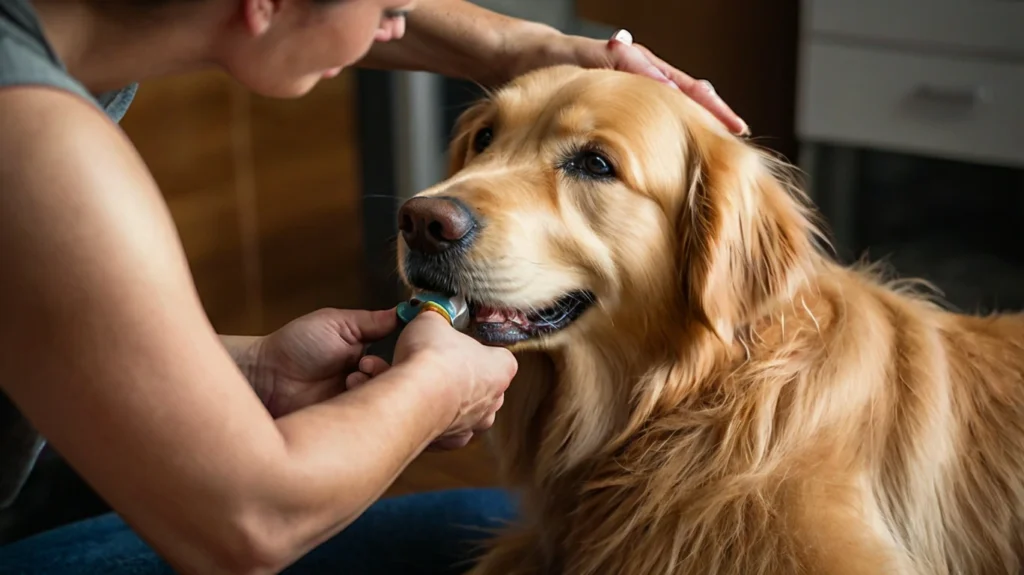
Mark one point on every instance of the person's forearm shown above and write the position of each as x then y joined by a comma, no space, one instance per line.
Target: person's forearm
454,38
344,453
341,454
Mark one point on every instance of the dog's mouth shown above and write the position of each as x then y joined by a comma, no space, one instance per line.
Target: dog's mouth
492,321
498,325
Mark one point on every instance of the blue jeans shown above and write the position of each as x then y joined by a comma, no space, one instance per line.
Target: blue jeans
435,533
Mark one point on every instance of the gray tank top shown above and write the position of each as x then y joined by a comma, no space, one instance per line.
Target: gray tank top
26,58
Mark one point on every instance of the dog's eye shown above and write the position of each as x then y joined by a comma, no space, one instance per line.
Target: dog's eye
482,139
596,165
588,164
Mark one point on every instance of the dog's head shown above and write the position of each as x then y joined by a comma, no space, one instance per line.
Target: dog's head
586,200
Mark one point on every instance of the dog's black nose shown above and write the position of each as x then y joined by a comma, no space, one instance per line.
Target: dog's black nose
432,225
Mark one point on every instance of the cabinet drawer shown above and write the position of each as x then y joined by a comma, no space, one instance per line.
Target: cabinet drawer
959,108
988,26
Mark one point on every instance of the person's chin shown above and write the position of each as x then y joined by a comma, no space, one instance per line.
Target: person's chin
305,84
292,89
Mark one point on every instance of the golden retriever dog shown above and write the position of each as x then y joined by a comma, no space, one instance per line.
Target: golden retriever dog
702,389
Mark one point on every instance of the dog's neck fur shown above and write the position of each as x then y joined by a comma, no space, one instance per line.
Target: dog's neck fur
610,401
602,398
605,394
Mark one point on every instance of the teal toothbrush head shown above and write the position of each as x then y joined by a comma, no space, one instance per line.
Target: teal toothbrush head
452,308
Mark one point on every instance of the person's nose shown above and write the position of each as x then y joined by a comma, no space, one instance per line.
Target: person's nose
399,29
390,29
433,224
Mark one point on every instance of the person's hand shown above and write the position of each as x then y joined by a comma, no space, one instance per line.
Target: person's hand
308,360
534,49
475,375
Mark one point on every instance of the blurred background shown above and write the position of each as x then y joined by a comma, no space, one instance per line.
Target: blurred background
906,116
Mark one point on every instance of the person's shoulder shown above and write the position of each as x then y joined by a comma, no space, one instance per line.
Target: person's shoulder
35,110
69,173
45,131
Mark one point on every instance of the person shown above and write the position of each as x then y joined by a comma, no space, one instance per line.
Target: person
230,454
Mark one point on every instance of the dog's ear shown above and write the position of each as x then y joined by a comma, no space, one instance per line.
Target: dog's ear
746,236
463,133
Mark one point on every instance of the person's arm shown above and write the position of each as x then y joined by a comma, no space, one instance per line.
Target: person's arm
459,39
242,349
105,347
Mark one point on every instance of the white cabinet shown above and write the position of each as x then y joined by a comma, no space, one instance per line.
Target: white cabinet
932,77
993,27
958,107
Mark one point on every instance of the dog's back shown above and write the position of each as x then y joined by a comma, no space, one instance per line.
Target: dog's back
915,431
857,429
983,511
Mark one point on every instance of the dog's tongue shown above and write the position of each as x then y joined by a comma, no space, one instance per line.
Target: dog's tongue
486,314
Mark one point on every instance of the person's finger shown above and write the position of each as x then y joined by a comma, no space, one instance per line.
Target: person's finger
452,442
485,423
626,58
370,367
399,31
373,366
701,91
356,379
498,403
502,357
362,326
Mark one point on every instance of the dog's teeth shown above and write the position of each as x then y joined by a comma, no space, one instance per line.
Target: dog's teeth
499,315
520,318
491,315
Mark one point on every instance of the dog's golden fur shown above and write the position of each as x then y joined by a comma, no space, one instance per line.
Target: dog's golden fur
735,402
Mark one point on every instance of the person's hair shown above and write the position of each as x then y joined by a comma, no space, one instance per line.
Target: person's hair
137,7
161,3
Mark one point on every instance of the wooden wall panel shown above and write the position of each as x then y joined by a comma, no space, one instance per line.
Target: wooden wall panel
746,48
308,195
264,193
182,127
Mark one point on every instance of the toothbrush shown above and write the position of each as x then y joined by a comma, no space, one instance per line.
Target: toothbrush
452,308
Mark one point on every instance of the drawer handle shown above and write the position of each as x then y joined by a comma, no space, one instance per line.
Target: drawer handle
967,97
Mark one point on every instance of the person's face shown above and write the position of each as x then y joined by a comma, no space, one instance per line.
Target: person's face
286,46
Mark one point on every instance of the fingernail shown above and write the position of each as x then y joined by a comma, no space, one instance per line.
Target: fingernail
745,131
624,37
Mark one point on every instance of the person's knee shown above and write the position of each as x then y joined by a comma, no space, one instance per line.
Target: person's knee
427,533
103,545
